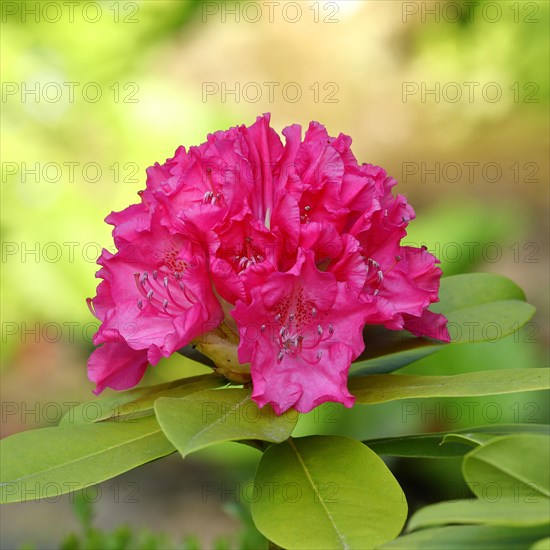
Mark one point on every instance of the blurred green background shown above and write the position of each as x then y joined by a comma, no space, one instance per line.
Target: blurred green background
450,97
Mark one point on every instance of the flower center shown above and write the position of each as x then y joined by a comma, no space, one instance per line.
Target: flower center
213,195
247,255
301,327
304,216
168,295
175,264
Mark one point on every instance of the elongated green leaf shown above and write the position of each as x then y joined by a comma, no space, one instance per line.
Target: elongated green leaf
51,461
213,416
138,401
431,445
501,512
511,466
379,388
469,537
326,492
417,446
472,289
470,439
479,307
482,307
388,350
488,322
542,544
418,348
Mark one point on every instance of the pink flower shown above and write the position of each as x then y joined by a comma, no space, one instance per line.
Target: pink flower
155,298
300,332
284,251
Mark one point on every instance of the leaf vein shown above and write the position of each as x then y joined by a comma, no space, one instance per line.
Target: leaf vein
320,499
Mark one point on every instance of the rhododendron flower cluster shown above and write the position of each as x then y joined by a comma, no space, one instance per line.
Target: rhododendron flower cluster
270,258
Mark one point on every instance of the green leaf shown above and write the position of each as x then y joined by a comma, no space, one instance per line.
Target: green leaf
326,492
430,445
138,401
479,307
469,537
473,289
482,307
470,439
52,461
542,544
389,350
511,466
488,322
502,512
379,388
213,416
417,446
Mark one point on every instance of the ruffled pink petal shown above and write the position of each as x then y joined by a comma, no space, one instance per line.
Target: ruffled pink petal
432,325
117,366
